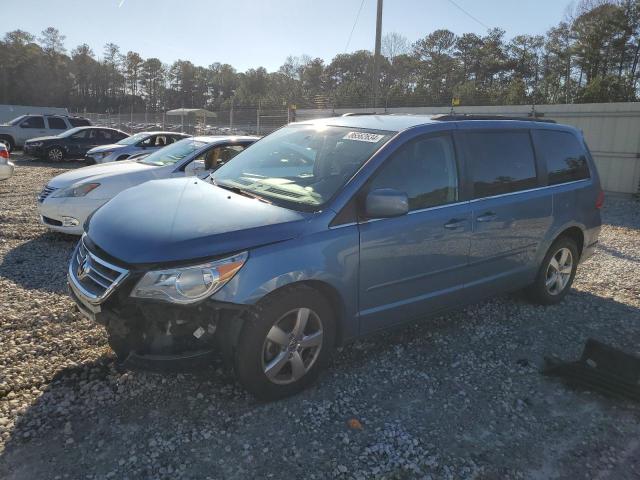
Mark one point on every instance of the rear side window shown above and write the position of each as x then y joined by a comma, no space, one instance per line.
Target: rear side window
79,122
108,135
425,169
501,162
564,155
56,123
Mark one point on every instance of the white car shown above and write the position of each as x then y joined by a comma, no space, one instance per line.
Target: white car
6,167
69,199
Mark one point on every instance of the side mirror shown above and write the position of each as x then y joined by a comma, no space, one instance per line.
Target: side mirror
195,168
386,203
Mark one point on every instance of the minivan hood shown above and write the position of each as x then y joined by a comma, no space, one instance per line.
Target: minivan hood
74,176
182,219
106,148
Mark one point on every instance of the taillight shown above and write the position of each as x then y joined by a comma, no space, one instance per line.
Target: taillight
4,153
600,199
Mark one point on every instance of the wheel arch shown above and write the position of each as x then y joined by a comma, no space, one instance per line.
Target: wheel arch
233,329
9,138
576,234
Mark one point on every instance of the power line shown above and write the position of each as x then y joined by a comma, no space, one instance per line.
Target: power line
468,14
354,26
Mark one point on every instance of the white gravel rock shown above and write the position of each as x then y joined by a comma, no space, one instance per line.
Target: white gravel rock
458,396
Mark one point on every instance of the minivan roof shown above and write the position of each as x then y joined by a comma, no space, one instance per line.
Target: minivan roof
398,123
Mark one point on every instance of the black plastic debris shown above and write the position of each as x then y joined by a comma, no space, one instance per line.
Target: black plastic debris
601,368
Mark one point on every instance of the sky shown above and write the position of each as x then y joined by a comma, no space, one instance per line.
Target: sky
253,33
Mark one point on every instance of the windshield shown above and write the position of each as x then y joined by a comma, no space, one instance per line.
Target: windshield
173,153
71,131
303,164
17,120
133,139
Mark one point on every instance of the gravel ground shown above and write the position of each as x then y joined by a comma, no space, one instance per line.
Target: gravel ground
459,396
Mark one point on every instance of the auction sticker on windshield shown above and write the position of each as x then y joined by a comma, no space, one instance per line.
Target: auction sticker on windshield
363,137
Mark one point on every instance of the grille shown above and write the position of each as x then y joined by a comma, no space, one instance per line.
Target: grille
93,277
46,191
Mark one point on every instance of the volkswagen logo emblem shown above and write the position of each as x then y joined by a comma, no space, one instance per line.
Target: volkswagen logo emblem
83,269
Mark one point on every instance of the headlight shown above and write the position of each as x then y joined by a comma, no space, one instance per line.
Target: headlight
103,154
188,284
34,144
76,190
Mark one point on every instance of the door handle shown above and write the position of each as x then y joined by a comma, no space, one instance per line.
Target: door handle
454,224
486,217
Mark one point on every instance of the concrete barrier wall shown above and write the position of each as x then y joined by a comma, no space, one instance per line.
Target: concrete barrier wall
612,131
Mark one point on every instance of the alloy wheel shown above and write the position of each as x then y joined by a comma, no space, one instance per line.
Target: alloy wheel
559,271
55,155
292,346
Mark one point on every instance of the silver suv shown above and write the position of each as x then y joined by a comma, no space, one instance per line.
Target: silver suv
14,133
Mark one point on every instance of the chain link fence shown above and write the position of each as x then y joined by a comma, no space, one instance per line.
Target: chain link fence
236,121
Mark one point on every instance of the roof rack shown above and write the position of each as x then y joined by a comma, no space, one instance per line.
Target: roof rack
467,116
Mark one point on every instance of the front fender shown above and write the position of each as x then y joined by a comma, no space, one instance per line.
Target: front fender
329,257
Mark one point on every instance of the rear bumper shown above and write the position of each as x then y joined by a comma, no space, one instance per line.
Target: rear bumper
6,170
588,251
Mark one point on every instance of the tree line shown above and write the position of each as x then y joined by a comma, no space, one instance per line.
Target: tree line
592,55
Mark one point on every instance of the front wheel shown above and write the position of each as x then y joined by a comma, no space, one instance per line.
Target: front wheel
284,344
55,154
556,273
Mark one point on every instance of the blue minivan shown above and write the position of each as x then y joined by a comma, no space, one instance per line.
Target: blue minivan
331,229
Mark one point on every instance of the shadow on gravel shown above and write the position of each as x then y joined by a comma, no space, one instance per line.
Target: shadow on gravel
40,263
66,165
436,378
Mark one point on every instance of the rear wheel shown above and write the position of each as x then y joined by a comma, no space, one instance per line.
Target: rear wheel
55,154
7,142
556,273
283,347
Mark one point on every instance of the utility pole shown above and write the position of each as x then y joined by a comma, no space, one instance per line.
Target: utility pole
376,56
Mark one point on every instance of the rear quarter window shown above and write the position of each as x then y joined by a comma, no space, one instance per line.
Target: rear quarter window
79,122
500,162
563,154
56,123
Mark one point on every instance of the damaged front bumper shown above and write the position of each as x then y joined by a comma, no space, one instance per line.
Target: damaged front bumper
158,336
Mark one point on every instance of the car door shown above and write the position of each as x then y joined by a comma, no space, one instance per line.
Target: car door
415,264
31,127
510,212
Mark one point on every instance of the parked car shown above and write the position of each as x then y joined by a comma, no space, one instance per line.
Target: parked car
70,198
73,143
394,218
143,142
25,127
6,167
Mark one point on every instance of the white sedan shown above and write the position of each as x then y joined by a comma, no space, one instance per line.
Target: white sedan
6,167
69,199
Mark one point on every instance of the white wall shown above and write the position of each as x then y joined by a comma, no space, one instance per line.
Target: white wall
9,112
612,131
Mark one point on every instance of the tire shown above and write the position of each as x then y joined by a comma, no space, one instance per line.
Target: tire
552,285
55,154
8,142
293,367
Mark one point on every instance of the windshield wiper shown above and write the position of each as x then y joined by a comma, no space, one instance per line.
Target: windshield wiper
238,190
